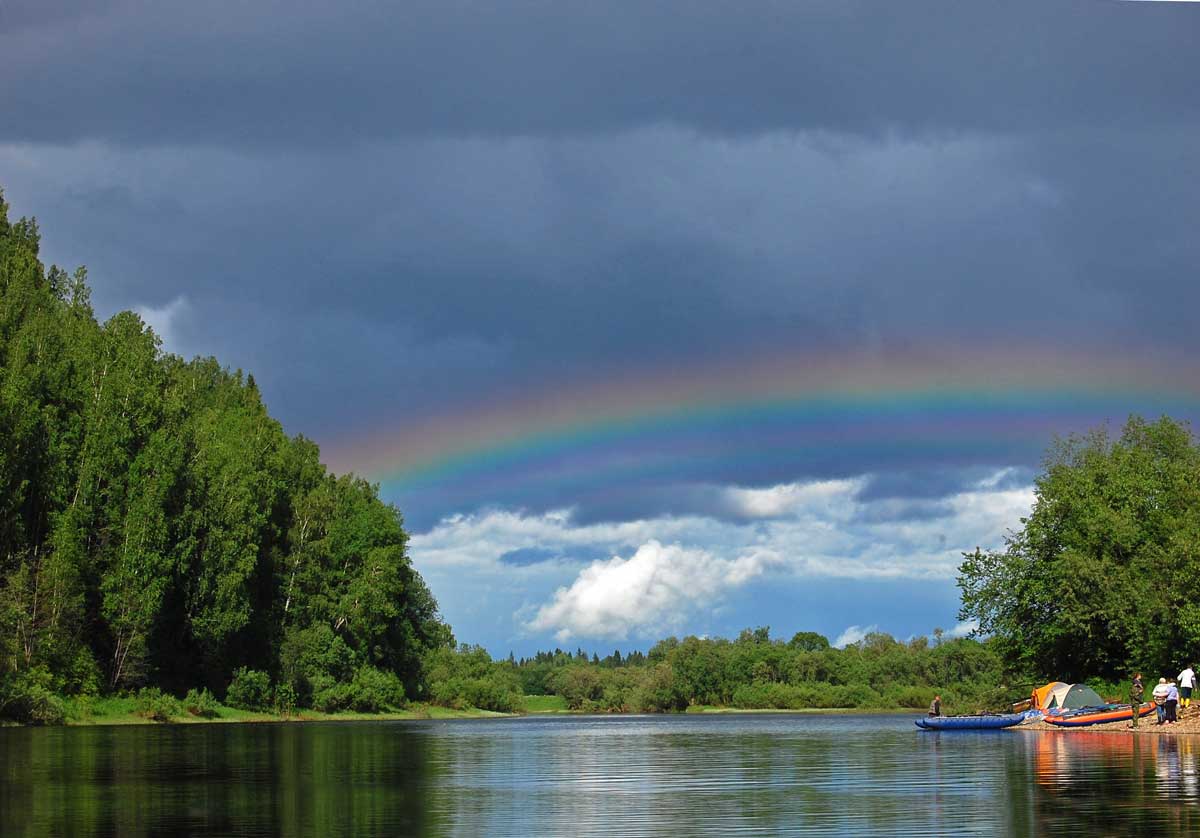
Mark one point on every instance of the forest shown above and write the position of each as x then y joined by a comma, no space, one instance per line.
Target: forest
159,529
755,671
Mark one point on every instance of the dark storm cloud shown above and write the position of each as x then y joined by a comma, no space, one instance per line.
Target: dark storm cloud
388,211
317,73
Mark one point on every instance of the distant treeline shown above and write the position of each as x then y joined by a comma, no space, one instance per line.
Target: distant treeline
751,672
158,528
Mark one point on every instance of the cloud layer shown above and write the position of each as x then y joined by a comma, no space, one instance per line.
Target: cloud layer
394,215
651,592
316,74
638,579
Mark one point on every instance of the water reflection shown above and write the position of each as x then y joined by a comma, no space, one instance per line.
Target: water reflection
1116,783
212,780
751,775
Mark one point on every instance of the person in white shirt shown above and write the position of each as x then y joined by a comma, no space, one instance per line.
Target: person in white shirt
1187,680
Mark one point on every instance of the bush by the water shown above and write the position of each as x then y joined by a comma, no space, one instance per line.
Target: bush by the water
468,677
152,703
285,699
250,689
29,697
201,703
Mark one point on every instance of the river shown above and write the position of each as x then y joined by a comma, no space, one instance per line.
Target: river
571,775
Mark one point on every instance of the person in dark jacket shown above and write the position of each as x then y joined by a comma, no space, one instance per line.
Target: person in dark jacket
1136,693
935,706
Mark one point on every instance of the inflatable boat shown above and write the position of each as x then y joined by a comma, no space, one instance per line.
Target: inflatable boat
1098,715
991,721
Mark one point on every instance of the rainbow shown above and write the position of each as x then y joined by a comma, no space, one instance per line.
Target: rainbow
966,405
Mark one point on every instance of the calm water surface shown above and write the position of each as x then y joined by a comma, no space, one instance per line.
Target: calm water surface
682,775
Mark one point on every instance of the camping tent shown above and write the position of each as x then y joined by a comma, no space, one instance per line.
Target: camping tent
1079,696
1059,696
1042,696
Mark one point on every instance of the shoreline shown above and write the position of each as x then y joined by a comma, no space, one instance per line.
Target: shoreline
120,713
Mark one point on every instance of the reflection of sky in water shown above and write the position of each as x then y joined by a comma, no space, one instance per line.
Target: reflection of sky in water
776,774
674,775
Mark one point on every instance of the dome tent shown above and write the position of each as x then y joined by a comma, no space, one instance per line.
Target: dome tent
1061,696
1080,696
1043,697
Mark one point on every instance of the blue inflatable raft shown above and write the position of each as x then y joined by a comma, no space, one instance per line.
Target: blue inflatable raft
991,721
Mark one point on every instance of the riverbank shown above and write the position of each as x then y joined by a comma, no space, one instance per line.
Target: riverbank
1189,723
123,711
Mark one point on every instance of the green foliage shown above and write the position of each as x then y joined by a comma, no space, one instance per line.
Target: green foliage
29,697
250,689
286,700
152,703
756,672
1102,577
468,677
660,691
579,684
314,657
543,704
201,703
809,641
158,527
374,690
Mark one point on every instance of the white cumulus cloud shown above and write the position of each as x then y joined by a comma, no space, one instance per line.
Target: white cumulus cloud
654,589
163,319
962,629
853,634
820,530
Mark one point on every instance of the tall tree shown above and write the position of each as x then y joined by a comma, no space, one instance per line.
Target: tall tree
1103,574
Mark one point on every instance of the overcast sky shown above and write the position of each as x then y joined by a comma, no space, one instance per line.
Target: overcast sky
443,235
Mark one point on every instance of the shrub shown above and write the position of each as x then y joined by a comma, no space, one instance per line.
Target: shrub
285,699
28,697
201,703
312,659
373,690
152,703
496,693
328,695
578,685
82,676
661,692
854,695
250,689
916,698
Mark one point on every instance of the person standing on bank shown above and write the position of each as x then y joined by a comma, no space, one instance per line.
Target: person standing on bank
1172,702
1160,699
935,706
1136,693
1187,681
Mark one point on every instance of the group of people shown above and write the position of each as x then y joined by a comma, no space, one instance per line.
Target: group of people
1168,695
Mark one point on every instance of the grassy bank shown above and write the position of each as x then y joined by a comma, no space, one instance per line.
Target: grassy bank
115,711
541,704
125,711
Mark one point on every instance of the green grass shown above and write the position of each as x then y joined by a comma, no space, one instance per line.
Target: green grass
123,711
544,704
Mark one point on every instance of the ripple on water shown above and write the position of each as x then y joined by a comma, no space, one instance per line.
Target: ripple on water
679,775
